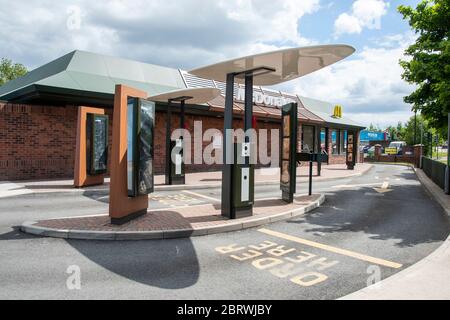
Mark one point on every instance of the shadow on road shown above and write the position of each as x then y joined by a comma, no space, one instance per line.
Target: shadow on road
16,234
406,215
97,195
168,264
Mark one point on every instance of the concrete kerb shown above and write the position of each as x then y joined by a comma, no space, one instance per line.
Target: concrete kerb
31,228
433,190
393,284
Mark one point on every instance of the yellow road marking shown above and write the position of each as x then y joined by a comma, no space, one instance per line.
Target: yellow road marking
201,195
344,252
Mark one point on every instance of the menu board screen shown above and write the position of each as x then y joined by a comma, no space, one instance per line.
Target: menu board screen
96,143
100,144
145,148
132,107
140,130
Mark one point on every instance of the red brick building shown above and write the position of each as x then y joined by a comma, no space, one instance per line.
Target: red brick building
38,113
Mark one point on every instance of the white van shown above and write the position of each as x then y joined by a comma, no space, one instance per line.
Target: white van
398,145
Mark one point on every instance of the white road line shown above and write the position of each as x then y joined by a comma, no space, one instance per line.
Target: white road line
201,195
357,185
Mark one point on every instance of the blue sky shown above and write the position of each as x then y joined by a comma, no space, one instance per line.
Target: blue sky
191,33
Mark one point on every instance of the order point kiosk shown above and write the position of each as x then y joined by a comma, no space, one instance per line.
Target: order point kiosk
243,180
174,170
261,69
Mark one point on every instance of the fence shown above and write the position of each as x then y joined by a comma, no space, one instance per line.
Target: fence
435,170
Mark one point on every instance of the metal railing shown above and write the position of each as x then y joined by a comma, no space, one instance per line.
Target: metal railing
435,170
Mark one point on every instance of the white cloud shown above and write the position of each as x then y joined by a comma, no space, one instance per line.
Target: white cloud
169,32
364,14
346,23
368,85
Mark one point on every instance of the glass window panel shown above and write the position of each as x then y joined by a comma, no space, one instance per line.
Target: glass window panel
308,139
334,142
343,141
323,143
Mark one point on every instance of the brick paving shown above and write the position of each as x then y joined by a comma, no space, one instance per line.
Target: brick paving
211,178
190,217
332,171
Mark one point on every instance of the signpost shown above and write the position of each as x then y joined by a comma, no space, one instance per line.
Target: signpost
311,158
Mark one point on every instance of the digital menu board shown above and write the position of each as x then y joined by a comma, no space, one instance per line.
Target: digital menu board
288,151
140,139
96,143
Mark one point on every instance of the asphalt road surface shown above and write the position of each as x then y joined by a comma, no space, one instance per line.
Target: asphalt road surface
369,228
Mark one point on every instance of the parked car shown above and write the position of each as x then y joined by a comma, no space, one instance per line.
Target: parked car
365,149
371,151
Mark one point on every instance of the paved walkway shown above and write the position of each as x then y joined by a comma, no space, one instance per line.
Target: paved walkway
178,222
427,279
193,180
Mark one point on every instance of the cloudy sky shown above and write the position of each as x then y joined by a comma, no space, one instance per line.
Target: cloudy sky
190,33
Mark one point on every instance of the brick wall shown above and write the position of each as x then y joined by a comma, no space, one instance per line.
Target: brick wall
38,142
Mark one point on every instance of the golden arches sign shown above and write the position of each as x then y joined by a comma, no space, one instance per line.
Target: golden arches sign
337,113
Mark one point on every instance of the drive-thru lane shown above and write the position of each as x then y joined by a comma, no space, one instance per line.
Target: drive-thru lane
370,227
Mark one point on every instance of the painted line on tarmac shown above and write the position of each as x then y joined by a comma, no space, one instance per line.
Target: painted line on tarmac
325,247
201,195
357,185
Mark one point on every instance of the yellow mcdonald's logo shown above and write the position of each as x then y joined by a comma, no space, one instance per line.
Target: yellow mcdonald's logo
337,113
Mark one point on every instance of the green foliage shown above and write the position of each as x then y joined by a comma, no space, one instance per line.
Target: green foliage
429,63
10,70
372,127
422,127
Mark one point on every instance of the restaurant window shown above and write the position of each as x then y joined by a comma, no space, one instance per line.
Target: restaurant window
323,142
307,138
334,141
343,142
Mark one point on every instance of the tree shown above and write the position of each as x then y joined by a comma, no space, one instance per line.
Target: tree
10,70
429,64
422,127
372,127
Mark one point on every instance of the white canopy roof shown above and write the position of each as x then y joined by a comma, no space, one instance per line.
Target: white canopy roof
287,63
191,95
